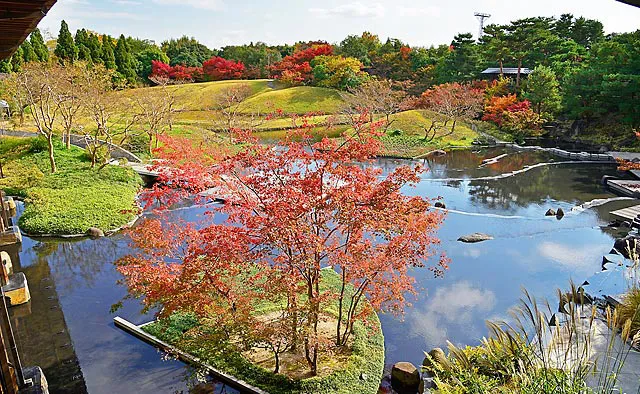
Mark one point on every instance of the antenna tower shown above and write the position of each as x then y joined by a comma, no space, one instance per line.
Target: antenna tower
481,17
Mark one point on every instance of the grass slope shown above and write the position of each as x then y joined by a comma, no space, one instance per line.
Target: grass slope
361,374
71,200
297,100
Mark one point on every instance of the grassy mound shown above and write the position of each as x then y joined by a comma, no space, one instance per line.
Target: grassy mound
73,199
360,373
405,135
297,100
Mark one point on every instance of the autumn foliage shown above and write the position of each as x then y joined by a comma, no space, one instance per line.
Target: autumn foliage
296,69
289,212
217,68
175,73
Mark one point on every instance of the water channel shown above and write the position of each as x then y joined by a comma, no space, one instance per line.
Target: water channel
67,329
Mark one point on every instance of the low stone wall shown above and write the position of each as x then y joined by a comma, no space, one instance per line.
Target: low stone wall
582,156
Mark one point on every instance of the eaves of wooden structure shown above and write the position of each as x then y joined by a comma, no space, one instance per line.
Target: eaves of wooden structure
18,18
631,2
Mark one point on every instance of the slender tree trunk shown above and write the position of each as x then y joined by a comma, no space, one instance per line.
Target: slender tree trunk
277,357
68,142
52,159
150,142
501,68
340,307
518,75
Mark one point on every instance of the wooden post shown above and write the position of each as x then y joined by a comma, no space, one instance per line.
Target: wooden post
4,213
9,380
13,347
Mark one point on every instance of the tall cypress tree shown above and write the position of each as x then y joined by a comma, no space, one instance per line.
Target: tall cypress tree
5,66
39,47
124,61
66,49
82,43
28,54
96,48
17,60
107,52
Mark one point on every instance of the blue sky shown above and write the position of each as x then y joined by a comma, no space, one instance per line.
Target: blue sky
222,22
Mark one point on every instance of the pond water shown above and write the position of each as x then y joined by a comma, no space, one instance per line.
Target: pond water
68,330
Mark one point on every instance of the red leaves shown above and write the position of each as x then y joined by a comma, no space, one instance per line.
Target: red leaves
176,73
296,69
217,68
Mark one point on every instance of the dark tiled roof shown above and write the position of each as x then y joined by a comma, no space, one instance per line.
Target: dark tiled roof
18,18
631,2
506,70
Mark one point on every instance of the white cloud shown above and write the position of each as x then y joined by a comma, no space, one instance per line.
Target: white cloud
419,11
456,305
201,4
355,9
127,2
573,258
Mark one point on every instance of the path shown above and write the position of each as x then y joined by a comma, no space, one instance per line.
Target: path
81,142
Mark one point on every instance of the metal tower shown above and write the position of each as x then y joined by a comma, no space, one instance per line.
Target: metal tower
481,17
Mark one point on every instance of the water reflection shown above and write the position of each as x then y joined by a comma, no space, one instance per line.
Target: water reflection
70,333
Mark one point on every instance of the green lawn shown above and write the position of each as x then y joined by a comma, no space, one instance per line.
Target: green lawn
297,100
73,199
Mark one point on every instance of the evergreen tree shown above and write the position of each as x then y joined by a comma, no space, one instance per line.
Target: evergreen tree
542,89
17,60
39,47
66,49
82,43
95,47
108,56
124,61
5,66
28,54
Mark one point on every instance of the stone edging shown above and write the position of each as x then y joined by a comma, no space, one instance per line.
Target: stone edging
138,332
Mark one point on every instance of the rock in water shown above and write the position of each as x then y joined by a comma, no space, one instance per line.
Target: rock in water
405,377
95,232
440,204
550,212
559,213
475,237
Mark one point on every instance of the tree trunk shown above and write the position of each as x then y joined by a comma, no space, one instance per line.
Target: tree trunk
150,142
277,356
518,75
68,142
52,159
340,307
501,69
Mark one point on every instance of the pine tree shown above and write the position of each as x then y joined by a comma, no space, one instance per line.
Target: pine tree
28,54
108,56
39,47
66,49
124,61
17,60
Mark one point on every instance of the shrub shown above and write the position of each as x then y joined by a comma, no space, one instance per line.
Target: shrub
629,309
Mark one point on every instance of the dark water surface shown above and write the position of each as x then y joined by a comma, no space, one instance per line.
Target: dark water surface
70,333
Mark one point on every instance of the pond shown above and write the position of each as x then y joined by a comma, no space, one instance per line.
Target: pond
68,330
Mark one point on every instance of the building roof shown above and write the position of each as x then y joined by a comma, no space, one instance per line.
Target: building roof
631,2
18,18
506,70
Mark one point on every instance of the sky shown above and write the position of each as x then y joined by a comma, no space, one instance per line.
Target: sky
217,23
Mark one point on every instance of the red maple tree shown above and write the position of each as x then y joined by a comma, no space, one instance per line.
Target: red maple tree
296,69
176,73
218,68
290,211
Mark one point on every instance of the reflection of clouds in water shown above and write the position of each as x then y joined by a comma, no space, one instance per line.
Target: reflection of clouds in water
473,253
571,257
451,306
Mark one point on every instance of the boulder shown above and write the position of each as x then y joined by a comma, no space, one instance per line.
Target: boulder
475,237
438,152
440,204
405,377
550,212
623,245
95,232
559,214
435,356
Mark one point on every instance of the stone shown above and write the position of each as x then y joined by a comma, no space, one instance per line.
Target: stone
440,204
438,152
39,384
550,212
475,237
95,232
17,290
559,214
437,356
624,245
11,236
405,377
5,260
625,224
